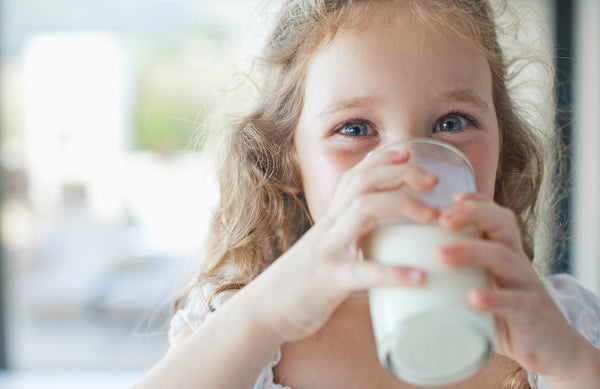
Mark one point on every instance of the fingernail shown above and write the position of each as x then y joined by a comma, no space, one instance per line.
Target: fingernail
447,214
415,275
442,251
476,299
430,178
430,214
459,198
395,152
400,153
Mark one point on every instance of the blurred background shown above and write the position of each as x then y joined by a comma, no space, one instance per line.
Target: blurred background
105,199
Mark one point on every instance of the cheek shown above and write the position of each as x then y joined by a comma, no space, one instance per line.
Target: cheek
485,165
321,175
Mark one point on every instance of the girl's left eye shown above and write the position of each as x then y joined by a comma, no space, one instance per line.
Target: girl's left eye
356,129
451,123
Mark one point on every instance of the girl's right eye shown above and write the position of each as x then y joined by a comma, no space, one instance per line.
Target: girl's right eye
356,129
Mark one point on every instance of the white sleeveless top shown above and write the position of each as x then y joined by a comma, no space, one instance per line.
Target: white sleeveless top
580,307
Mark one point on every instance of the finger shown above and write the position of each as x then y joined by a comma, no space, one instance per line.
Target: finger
495,222
384,177
461,197
388,177
357,275
509,303
383,157
365,211
495,257
385,170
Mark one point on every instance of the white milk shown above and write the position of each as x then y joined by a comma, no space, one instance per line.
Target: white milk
428,335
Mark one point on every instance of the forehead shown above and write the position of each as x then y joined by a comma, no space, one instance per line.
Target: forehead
393,45
468,22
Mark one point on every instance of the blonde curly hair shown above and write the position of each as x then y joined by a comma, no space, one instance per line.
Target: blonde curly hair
262,210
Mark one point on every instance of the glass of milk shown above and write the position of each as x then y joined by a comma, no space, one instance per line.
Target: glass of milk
429,335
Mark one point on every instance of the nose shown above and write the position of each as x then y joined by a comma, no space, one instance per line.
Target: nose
402,136
408,122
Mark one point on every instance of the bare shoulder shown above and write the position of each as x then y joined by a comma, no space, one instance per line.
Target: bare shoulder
179,336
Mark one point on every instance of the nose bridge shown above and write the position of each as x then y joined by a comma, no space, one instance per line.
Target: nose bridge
408,123
408,133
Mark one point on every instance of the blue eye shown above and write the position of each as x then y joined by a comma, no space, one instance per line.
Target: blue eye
450,123
356,129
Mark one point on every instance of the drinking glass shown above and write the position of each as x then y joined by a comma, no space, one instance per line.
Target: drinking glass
429,335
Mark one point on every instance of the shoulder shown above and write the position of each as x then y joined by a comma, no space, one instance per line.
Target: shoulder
196,309
580,306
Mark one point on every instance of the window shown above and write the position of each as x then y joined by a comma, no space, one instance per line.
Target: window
105,198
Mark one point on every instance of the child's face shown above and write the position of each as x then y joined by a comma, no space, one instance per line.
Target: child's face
386,80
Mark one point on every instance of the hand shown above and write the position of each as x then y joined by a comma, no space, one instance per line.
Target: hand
530,327
306,284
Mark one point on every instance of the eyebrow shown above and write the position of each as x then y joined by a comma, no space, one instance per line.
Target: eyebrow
461,95
343,105
467,96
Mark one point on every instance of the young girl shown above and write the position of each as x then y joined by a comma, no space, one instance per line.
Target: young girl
277,304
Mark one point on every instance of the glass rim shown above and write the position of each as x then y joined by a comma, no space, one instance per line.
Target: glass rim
433,142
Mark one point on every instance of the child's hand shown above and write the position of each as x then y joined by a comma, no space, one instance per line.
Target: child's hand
530,327
306,284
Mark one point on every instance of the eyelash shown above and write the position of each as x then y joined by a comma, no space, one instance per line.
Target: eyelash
348,123
470,121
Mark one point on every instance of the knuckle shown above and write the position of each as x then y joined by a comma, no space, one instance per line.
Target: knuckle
469,252
362,205
470,207
508,214
504,251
